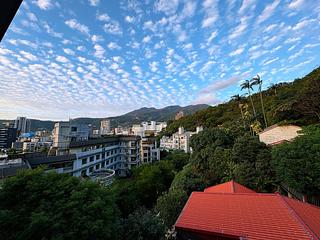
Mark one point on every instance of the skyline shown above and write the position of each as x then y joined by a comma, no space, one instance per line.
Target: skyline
97,59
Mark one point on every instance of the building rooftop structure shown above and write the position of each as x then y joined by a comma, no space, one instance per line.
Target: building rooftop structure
277,134
237,212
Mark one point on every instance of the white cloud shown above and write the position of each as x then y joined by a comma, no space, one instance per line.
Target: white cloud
146,39
28,56
94,2
113,45
212,13
112,27
62,59
236,52
99,51
206,98
32,17
168,7
153,66
103,17
268,11
239,30
69,51
129,19
96,38
189,9
212,36
43,4
74,24
296,4
247,7
302,24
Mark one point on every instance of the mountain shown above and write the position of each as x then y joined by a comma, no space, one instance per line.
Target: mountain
296,102
136,116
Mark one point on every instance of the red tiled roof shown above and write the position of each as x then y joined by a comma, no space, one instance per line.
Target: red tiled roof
229,187
249,215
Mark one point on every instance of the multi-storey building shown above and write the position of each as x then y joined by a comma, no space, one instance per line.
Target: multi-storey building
147,128
22,124
66,132
179,140
149,150
7,137
105,127
99,159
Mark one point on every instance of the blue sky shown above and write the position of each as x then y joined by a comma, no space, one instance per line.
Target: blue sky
100,58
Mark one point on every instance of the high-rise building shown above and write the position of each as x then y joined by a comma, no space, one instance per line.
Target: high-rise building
22,124
149,150
7,137
105,127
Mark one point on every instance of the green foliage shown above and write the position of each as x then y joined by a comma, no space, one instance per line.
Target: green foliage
170,204
295,102
178,158
297,163
38,205
142,224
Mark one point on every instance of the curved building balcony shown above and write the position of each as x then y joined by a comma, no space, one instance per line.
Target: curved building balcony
103,176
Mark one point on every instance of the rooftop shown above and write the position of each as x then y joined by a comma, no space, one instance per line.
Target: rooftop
242,213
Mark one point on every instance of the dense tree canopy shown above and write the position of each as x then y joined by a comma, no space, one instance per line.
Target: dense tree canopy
38,205
297,163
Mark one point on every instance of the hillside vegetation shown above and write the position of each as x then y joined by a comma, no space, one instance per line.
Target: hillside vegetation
296,102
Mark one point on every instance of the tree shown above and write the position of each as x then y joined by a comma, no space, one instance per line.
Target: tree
247,85
170,204
238,99
297,163
258,81
142,224
39,205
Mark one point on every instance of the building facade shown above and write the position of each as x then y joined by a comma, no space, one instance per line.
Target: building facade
105,127
179,140
7,137
22,124
149,150
148,128
66,132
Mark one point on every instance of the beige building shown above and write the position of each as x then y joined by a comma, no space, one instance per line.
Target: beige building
276,134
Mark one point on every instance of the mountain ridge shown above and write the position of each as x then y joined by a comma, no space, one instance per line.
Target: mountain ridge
136,116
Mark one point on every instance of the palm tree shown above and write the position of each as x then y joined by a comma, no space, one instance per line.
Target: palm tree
238,99
257,81
248,85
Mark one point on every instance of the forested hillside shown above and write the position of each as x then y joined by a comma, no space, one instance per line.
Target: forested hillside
295,102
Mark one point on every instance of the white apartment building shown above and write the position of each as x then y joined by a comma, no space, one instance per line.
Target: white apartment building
105,127
179,140
100,159
146,128
66,132
149,150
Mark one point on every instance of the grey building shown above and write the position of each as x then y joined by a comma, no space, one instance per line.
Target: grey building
22,124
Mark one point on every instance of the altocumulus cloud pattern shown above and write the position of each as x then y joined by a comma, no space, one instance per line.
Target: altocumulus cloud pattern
101,58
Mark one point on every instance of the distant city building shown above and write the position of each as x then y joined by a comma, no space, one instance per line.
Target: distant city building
66,132
9,168
148,128
179,115
179,140
22,124
7,137
96,158
150,151
276,134
105,127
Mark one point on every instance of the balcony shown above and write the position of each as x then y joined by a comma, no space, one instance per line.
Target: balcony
103,176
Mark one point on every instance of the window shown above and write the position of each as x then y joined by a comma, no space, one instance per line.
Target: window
102,164
91,159
90,169
98,157
108,153
97,166
84,161
103,155
74,129
83,173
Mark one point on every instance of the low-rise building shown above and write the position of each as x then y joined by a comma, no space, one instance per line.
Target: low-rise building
276,134
148,128
9,168
179,140
232,211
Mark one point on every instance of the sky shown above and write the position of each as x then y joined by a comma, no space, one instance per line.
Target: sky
102,58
